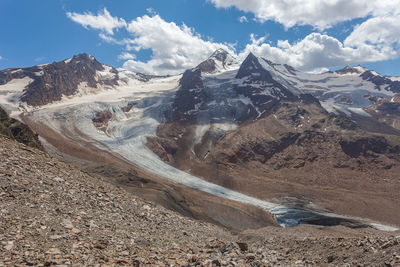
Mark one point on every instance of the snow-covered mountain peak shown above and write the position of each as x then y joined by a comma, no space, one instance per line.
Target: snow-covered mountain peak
83,57
219,61
360,68
352,70
220,54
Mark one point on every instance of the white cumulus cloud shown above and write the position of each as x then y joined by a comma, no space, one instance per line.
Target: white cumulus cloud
315,52
102,21
126,56
383,32
243,19
1,57
175,48
318,13
151,11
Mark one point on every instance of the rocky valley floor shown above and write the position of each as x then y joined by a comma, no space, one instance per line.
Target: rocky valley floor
53,214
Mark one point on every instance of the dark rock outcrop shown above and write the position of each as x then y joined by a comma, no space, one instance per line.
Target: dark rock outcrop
355,147
102,118
191,79
189,93
18,131
251,67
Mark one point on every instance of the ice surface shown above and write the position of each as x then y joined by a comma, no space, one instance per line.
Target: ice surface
10,94
385,228
375,73
16,85
200,132
360,111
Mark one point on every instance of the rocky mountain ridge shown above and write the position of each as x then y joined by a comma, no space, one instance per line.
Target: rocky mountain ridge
80,75
52,81
259,83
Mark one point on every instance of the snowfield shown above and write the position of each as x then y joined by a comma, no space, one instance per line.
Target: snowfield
10,94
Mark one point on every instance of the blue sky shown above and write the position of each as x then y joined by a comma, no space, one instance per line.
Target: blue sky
158,36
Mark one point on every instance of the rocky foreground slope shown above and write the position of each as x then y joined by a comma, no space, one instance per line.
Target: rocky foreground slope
52,214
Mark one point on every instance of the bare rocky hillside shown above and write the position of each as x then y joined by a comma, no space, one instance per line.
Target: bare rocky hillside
52,214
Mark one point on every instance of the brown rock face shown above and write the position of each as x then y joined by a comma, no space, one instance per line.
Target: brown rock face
127,108
102,118
163,147
18,131
298,134
58,79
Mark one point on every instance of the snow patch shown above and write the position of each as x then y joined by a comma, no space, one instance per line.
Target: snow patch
225,126
360,69
200,132
245,100
16,85
105,74
375,73
15,71
385,228
39,73
360,111
10,94
277,77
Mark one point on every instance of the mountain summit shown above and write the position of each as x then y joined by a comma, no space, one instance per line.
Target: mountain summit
50,82
219,61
